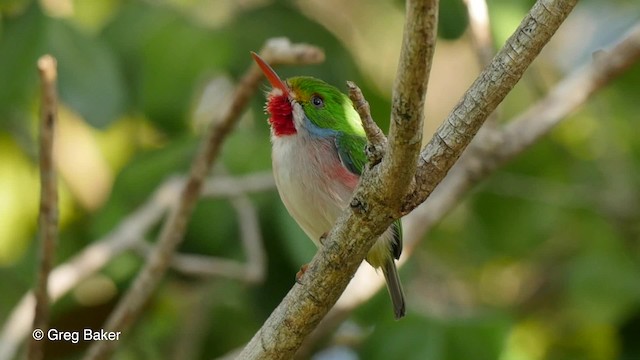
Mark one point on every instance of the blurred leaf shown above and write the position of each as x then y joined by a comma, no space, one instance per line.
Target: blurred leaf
12,7
248,150
164,57
135,183
603,279
477,338
21,43
412,338
452,19
89,80
213,230
421,338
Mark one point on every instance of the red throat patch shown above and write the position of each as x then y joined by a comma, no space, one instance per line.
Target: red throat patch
281,115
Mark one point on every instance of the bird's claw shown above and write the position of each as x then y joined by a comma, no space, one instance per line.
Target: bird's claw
323,237
300,273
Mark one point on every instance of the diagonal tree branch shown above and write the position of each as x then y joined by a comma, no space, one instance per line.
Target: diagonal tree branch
491,87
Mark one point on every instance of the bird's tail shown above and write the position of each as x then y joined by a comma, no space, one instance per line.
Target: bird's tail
395,288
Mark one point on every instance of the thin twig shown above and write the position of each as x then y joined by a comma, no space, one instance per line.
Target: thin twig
131,304
48,223
377,142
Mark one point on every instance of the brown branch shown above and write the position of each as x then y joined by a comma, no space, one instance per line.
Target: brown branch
131,304
377,142
48,222
357,228
491,87
397,169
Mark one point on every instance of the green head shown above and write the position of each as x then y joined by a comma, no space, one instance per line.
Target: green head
321,109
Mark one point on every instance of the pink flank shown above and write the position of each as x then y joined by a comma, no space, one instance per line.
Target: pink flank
342,174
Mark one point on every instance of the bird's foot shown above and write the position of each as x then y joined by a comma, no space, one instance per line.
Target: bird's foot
300,273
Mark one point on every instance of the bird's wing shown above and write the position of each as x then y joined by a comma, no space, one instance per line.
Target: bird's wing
352,155
351,151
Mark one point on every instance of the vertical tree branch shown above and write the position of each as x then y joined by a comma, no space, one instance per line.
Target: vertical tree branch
48,222
491,87
408,97
130,306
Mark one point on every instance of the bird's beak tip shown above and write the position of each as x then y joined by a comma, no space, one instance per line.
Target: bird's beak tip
271,75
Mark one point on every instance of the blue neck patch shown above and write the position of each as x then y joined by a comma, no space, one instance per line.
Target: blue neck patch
317,131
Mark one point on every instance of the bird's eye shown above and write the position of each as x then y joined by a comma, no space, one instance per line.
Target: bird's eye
317,101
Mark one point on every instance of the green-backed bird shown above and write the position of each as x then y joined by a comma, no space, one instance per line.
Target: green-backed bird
318,152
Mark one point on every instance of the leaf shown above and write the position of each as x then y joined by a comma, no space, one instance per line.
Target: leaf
21,43
411,338
139,178
164,57
89,79
452,19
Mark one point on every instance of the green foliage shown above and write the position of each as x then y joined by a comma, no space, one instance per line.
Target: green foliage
452,19
90,81
164,57
427,339
21,43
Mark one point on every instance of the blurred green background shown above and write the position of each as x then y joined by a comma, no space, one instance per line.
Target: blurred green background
541,261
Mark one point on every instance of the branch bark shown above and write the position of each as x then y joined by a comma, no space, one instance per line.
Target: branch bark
48,222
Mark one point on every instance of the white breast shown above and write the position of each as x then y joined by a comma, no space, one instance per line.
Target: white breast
303,168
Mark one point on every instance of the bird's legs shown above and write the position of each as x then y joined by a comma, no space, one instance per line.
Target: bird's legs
304,267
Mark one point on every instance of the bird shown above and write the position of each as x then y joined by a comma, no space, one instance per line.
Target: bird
318,154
